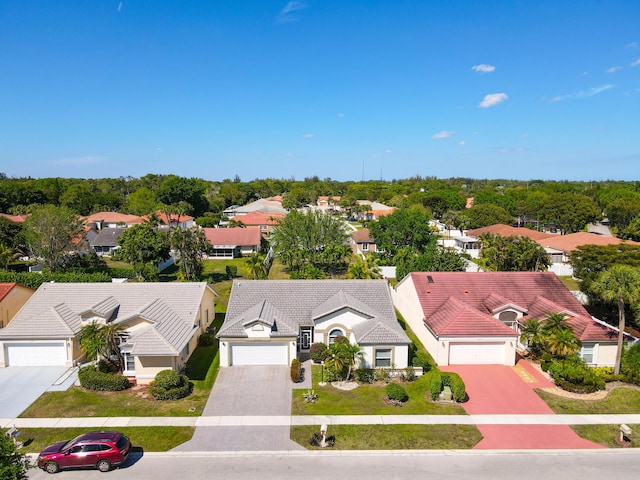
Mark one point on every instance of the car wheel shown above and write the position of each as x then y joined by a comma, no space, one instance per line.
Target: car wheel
104,465
51,467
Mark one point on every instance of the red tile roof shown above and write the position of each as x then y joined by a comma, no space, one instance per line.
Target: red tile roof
507,231
174,217
113,217
362,235
14,218
259,218
233,236
462,303
570,242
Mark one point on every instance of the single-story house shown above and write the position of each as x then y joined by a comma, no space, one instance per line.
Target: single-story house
268,322
105,241
162,321
174,220
264,205
474,317
361,242
265,222
101,220
233,242
12,297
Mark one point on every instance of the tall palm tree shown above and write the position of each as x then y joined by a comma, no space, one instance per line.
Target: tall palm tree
533,334
620,284
89,339
99,340
554,322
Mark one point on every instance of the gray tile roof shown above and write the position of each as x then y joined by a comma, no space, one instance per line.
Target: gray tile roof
55,309
299,302
107,237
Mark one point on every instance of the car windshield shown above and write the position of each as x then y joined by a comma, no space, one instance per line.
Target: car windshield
69,443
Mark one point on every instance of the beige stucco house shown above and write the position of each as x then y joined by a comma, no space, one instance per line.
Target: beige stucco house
12,297
162,321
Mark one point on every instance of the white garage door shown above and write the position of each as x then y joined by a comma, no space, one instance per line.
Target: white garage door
36,354
476,353
259,354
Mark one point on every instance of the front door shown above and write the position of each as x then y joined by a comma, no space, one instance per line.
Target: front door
304,342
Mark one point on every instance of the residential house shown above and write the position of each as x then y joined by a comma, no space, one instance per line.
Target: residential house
105,241
269,322
101,220
362,243
174,220
12,297
265,222
374,211
328,203
474,317
233,242
271,205
162,324
14,218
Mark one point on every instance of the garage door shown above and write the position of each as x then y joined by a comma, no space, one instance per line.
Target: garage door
476,353
40,354
259,354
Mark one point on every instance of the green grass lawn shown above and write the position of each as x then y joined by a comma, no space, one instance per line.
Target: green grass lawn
570,282
606,434
149,439
393,437
620,400
203,366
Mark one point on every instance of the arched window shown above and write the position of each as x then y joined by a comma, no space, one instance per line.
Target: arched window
335,333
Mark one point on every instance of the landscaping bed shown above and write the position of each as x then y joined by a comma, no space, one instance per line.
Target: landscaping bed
149,439
621,400
393,437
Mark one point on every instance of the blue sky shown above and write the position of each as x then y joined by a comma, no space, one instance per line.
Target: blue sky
333,88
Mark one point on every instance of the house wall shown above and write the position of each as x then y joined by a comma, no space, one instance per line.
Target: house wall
344,319
148,367
399,355
13,302
606,356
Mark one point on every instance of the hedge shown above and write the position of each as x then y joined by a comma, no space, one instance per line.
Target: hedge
574,375
397,392
34,280
458,388
435,384
296,371
170,385
92,379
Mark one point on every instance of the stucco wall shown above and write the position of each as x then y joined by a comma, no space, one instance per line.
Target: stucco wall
148,367
13,302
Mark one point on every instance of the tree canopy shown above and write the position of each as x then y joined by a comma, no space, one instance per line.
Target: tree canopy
570,212
403,228
512,254
144,247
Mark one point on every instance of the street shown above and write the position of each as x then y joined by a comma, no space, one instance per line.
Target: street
583,465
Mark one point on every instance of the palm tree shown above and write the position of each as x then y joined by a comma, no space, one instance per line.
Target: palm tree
620,284
101,341
343,354
89,339
255,265
554,322
533,334
563,343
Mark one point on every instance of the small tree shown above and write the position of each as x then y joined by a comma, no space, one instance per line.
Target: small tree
13,463
344,355
256,266
533,334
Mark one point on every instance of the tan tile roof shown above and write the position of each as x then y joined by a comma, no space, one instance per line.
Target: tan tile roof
113,217
570,242
362,235
507,231
259,218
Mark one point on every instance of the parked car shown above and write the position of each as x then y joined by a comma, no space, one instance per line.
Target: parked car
101,450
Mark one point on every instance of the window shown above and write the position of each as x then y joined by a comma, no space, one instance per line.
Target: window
129,362
588,353
383,357
365,246
333,334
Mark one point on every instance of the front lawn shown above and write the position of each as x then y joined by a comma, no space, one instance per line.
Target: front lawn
369,400
606,434
149,439
393,437
202,367
620,400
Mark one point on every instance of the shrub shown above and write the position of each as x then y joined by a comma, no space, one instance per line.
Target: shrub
630,364
316,440
458,388
365,375
409,374
296,371
231,271
92,379
435,384
170,385
207,340
383,375
397,392
318,352
606,373
310,396
422,359
105,367
574,375
332,375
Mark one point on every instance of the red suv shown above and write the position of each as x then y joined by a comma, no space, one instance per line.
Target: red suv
100,450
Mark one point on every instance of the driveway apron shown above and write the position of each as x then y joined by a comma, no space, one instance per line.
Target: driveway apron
498,389
21,386
243,392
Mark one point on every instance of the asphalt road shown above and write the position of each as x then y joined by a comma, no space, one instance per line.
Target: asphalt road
620,464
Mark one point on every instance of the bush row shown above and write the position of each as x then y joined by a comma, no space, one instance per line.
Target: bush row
574,375
92,379
34,280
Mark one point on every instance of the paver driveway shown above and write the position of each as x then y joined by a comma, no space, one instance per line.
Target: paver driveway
21,386
246,392
498,389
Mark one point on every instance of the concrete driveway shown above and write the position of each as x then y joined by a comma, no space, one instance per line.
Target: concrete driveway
246,392
498,389
21,386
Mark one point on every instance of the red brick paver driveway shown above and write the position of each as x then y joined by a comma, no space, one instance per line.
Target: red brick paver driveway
501,390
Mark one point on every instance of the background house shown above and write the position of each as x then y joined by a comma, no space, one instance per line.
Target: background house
162,324
105,242
264,222
12,297
474,318
362,243
269,321
233,242
101,220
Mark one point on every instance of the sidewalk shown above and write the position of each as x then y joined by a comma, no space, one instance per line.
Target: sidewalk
262,420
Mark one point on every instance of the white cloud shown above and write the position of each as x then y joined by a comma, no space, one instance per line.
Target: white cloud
78,161
633,45
340,115
120,7
614,69
462,142
388,152
308,135
291,155
443,134
582,93
290,12
493,99
483,68
635,63
524,135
